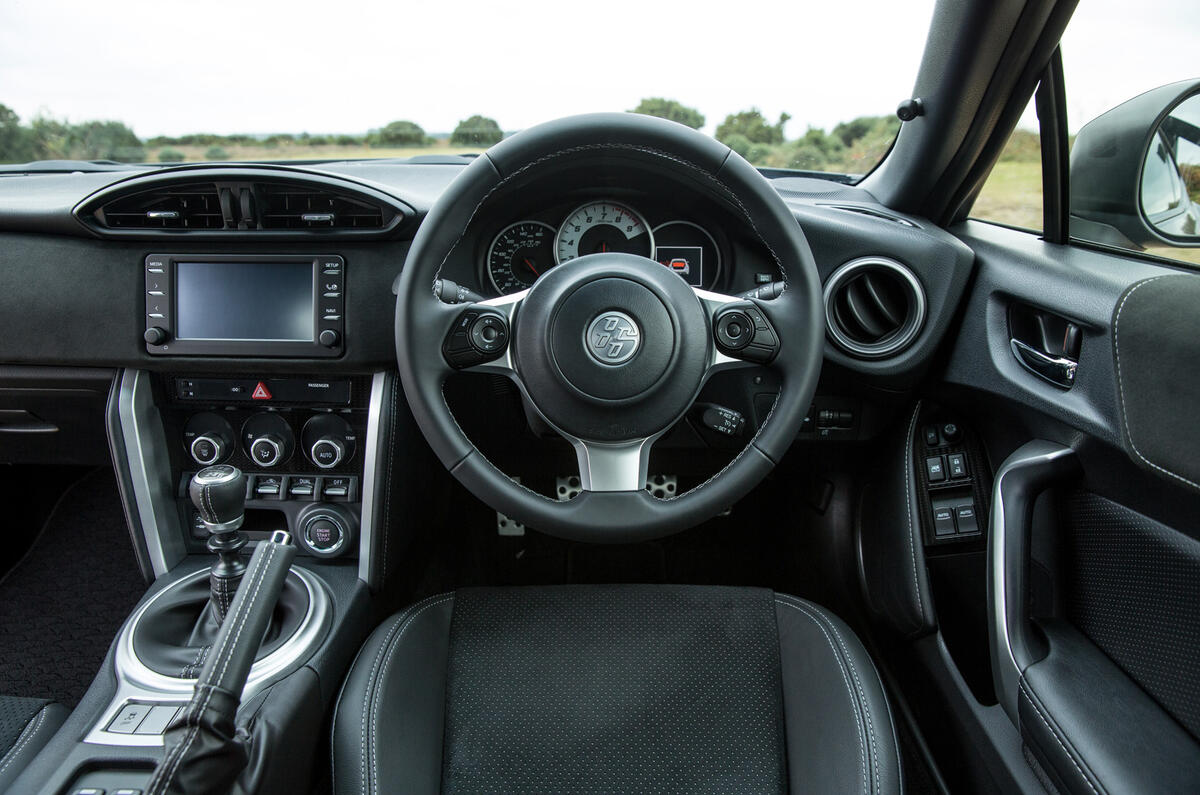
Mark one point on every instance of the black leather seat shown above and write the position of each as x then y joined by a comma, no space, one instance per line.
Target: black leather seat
614,689
26,724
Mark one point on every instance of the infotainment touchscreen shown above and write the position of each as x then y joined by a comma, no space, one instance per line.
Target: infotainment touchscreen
262,301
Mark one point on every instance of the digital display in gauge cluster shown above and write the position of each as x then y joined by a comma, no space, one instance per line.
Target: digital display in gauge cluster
521,252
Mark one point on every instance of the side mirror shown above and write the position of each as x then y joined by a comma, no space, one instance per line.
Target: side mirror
1135,171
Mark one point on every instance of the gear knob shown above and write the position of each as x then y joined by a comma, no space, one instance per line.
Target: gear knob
219,494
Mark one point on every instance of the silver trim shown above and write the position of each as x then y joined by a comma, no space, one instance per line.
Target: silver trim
613,467
893,343
268,440
595,337
1057,370
136,682
223,527
1022,476
338,446
366,531
149,471
216,475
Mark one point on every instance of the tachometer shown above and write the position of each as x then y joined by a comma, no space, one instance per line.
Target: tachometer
602,226
519,255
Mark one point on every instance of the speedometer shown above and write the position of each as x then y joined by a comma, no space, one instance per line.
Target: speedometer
519,255
602,226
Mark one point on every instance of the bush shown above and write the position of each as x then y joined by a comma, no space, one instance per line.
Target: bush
672,110
398,133
759,154
103,140
348,140
215,153
170,156
806,156
477,131
752,125
16,142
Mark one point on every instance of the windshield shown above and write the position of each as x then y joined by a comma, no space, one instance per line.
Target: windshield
810,86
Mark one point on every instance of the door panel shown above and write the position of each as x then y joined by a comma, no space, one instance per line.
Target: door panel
1094,561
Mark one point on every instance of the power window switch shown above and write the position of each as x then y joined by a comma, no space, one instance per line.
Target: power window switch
943,522
967,522
957,463
935,468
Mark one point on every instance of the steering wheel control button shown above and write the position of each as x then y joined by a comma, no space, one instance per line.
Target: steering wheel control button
476,337
613,338
735,329
723,420
743,331
489,334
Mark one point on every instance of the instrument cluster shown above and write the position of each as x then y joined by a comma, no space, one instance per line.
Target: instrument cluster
523,251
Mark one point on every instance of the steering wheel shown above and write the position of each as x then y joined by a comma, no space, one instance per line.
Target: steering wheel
611,349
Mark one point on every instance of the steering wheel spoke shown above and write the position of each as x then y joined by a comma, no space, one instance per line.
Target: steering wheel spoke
479,338
616,466
743,334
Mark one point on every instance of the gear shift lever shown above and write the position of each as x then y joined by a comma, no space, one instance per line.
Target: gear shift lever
219,494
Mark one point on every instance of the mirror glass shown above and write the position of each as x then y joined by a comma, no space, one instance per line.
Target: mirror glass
1170,190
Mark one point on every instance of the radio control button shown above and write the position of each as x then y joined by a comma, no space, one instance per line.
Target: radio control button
329,338
155,335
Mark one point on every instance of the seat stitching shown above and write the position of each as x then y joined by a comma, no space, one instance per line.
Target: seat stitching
870,724
1121,383
1054,732
862,754
912,544
394,644
26,736
333,728
371,682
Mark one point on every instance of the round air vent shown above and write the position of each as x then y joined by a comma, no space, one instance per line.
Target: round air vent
874,307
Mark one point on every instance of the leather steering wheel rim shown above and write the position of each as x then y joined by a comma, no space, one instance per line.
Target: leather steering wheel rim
422,321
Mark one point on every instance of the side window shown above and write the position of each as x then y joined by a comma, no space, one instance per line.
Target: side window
1012,194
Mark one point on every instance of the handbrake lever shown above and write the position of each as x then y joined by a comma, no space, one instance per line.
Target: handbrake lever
203,753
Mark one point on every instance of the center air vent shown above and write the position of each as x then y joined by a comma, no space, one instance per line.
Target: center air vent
874,307
302,207
186,206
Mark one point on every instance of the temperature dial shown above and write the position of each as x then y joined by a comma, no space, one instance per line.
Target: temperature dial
329,441
209,438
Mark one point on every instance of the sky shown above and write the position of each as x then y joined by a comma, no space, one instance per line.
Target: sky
170,67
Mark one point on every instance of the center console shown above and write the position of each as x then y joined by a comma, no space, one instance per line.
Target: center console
300,440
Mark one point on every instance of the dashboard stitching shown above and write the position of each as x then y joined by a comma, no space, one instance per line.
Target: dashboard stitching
1121,384
724,190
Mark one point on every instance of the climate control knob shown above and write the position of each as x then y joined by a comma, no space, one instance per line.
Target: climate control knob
208,438
268,439
329,440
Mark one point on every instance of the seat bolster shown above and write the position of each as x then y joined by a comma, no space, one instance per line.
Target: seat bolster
41,727
389,718
836,713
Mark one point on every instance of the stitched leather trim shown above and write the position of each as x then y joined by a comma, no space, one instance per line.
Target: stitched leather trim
28,734
1064,743
855,705
908,495
1121,384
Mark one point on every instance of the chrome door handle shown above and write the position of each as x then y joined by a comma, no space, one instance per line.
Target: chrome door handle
1058,370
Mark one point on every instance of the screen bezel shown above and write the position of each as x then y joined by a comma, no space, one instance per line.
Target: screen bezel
263,348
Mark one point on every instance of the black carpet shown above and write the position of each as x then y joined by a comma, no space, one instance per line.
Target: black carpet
61,606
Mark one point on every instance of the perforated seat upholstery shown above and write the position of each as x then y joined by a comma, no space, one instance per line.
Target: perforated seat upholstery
614,689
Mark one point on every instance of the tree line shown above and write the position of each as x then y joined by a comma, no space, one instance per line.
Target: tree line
850,147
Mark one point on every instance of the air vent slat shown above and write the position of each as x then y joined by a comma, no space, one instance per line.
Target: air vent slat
236,206
874,307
